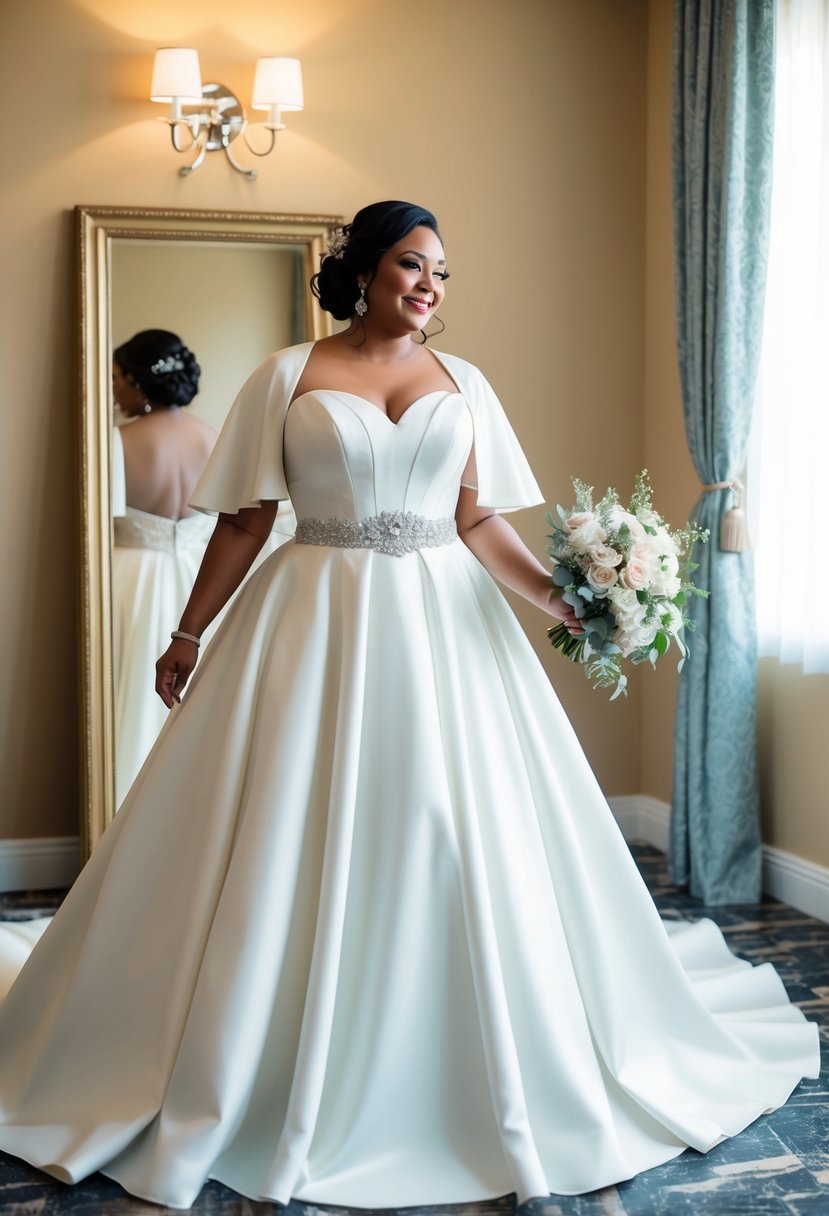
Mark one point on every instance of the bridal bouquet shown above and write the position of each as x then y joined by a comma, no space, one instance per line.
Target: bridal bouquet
625,573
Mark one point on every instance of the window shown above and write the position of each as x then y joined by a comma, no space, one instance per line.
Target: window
788,491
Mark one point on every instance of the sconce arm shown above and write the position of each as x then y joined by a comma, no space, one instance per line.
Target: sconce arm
271,131
193,129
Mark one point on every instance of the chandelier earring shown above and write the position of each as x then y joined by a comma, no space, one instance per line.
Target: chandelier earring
361,307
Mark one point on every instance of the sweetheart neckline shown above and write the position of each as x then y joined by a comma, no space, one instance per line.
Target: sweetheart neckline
342,392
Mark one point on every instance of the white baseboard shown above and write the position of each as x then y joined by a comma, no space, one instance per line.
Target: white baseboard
802,884
39,864
643,818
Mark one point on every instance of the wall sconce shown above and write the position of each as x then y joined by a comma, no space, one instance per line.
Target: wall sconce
211,115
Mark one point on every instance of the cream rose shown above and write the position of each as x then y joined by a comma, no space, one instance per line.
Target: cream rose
601,578
578,519
635,575
603,555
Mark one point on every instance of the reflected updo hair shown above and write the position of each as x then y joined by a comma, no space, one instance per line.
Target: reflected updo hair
370,234
175,380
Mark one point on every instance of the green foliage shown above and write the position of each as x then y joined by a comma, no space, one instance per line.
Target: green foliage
584,495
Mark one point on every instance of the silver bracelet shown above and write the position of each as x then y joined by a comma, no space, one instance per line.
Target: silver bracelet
186,637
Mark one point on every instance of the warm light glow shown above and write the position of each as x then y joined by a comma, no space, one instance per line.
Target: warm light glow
278,82
176,74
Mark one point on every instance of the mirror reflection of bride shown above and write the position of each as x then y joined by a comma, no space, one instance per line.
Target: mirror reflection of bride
158,456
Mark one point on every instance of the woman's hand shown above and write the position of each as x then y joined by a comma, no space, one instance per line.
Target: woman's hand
567,614
173,670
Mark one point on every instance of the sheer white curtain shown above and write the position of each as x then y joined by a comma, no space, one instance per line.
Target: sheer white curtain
789,462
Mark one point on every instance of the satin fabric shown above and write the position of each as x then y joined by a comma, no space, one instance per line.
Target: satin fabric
364,931
154,563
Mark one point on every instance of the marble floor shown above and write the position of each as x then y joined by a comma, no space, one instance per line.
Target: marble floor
778,1165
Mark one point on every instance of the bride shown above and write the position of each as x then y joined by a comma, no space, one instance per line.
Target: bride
364,931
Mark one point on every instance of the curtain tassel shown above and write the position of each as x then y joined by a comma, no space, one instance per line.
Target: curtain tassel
734,526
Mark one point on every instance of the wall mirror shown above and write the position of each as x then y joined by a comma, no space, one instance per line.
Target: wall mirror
234,286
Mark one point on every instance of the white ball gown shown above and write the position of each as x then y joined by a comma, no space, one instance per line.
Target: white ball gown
364,931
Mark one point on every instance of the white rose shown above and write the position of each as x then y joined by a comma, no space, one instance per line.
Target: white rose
619,516
663,562
601,577
588,536
635,633
623,601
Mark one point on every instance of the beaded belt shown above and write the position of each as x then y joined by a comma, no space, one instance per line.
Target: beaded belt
391,532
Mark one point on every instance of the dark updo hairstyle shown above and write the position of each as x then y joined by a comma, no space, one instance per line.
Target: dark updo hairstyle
370,234
175,380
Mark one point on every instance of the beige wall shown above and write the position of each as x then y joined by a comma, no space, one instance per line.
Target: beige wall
521,125
793,729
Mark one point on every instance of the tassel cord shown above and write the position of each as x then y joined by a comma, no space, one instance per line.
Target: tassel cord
734,525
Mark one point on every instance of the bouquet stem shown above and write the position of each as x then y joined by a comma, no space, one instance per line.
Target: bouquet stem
563,640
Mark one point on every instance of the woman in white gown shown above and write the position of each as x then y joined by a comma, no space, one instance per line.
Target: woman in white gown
364,931
158,541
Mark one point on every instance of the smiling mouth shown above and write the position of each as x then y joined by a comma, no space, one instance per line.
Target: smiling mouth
420,305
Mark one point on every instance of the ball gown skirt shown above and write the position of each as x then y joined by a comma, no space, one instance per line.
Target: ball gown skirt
364,930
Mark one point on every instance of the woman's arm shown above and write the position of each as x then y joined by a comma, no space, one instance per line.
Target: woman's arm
500,549
230,553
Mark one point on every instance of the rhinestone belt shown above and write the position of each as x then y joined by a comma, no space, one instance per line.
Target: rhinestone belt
391,532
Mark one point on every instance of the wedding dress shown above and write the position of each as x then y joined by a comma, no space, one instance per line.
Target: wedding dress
364,931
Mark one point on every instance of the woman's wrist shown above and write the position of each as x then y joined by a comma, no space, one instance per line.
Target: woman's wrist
184,636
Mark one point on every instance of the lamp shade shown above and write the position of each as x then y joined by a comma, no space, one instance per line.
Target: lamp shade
176,74
278,82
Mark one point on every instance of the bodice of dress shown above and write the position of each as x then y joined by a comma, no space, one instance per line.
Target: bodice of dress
142,530
345,459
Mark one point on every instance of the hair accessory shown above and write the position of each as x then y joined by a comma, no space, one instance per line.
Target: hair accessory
186,637
361,307
171,364
337,242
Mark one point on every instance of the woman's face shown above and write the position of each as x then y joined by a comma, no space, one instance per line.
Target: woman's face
408,284
128,396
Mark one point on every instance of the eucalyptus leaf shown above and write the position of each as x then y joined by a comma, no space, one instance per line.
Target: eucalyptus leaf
576,603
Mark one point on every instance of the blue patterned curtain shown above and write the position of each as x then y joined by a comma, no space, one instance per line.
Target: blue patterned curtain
723,79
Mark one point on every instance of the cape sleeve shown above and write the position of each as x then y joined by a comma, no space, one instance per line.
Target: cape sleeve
246,467
505,480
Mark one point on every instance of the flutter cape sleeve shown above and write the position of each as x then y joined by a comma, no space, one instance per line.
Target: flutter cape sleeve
505,480
246,466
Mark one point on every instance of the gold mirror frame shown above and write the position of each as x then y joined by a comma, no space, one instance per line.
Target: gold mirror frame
96,230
